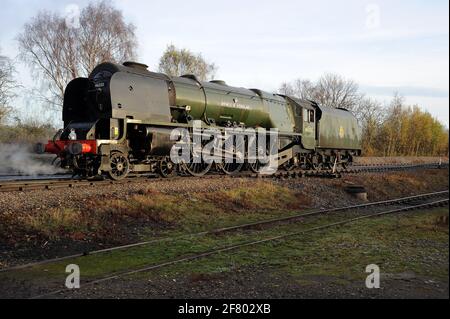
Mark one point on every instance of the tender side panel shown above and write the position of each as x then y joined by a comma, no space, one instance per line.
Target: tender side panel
338,129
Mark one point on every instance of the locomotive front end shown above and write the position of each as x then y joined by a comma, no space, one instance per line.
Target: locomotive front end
106,118
78,154
87,122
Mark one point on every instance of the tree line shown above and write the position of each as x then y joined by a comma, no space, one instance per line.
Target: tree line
58,49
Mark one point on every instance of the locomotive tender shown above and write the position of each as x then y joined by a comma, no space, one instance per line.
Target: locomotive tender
119,120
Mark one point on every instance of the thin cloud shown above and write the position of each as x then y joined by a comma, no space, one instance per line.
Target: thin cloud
405,90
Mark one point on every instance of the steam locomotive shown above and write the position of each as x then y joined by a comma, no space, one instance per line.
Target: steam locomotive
119,121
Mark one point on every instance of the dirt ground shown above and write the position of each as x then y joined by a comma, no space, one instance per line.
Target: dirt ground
261,283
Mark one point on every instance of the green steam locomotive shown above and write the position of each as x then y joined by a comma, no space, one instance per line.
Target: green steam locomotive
120,119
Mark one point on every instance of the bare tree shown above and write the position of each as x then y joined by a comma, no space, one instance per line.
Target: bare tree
59,51
176,62
370,114
104,36
332,90
7,85
286,89
302,89
369,109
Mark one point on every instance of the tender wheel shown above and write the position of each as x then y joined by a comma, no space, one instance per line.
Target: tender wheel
120,166
166,168
313,162
330,162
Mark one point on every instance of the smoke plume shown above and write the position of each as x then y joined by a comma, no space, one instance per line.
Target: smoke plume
20,159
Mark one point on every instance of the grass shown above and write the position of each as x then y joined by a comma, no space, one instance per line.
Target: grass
53,222
150,213
416,242
165,214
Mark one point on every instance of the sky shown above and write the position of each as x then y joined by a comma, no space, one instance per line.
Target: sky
384,46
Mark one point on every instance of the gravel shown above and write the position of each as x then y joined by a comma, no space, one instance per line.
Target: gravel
261,283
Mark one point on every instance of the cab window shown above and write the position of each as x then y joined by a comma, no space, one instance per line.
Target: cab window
309,116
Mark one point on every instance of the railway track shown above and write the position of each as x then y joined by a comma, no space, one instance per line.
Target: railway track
360,212
55,184
49,184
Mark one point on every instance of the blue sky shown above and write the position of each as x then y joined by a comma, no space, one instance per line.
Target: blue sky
385,46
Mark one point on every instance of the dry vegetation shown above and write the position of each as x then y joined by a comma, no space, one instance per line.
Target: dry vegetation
26,133
158,211
117,214
77,220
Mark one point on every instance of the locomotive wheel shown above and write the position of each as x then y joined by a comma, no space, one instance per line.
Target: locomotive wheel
257,166
236,165
56,162
197,169
197,166
231,168
120,166
289,165
166,168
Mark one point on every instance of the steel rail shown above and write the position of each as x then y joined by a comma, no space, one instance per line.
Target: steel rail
17,185
231,228
246,244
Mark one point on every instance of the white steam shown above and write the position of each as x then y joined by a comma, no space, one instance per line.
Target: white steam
20,159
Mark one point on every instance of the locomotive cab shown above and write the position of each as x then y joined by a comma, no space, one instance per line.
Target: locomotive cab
305,121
